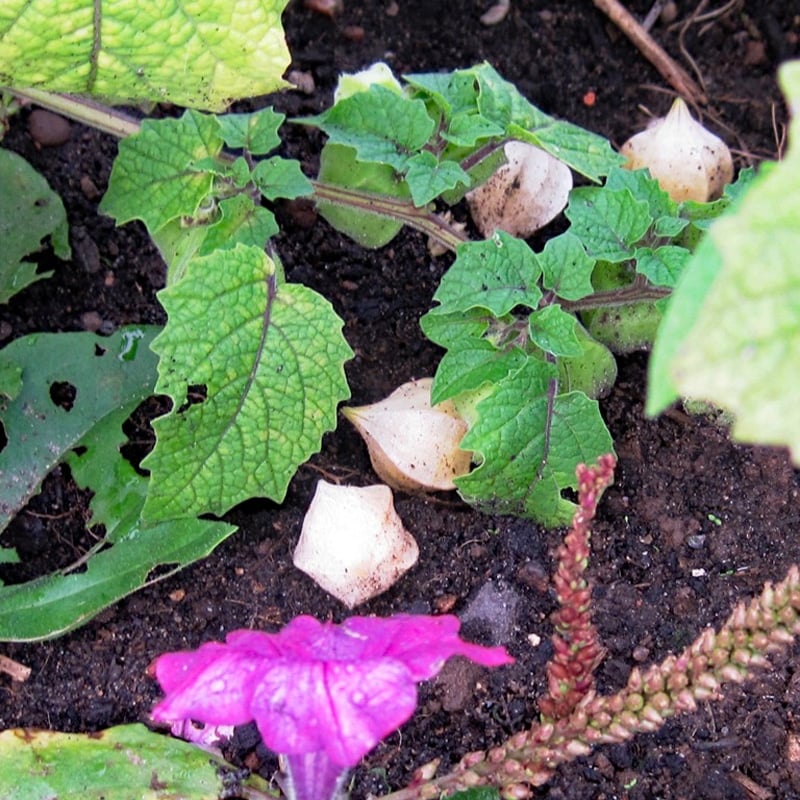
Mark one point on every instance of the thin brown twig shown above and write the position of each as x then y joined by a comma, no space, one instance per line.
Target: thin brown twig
669,69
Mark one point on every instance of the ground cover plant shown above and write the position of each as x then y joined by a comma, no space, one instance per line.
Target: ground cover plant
122,345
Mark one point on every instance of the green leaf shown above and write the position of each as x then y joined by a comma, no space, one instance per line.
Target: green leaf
281,177
121,560
257,132
682,310
553,330
108,374
381,125
30,212
448,330
472,363
497,274
566,267
201,55
340,166
153,178
528,451
743,351
477,793
662,266
452,92
428,177
269,358
115,764
609,222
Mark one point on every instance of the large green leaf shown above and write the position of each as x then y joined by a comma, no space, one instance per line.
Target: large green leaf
743,350
529,444
30,211
200,55
267,360
106,374
120,763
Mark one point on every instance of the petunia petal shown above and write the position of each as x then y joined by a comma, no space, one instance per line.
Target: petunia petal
342,708
422,643
216,691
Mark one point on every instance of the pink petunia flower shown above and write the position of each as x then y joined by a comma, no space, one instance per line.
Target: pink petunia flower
321,694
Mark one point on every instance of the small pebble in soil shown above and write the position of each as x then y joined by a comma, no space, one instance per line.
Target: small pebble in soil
48,129
89,188
696,541
91,321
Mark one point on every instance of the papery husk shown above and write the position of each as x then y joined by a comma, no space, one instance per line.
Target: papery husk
413,446
353,543
523,195
688,161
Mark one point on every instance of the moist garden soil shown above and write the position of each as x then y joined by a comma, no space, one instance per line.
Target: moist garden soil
693,523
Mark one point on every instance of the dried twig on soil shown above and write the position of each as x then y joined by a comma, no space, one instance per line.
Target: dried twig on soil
18,672
670,70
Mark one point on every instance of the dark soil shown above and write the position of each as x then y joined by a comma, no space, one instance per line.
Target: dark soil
693,523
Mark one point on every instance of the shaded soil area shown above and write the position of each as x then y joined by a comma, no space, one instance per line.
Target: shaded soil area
693,523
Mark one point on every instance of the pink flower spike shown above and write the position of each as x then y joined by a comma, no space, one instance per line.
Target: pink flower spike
316,688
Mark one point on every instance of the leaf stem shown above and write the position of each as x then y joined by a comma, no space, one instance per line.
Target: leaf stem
385,206
636,292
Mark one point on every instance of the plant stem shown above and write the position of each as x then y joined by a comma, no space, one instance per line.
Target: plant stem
404,211
82,110
636,292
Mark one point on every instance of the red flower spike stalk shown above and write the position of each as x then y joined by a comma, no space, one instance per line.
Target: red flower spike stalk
577,650
755,629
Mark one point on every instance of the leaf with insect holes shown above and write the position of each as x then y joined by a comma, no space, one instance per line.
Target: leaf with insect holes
528,444
30,213
153,178
497,274
268,371
742,347
117,764
69,383
200,55
124,555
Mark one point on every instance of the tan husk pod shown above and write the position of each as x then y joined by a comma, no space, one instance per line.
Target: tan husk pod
413,446
353,543
522,195
688,161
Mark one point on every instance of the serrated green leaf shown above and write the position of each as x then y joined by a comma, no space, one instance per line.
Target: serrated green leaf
566,267
553,330
662,266
281,177
115,764
643,186
609,222
743,350
107,373
381,125
453,92
427,177
257,132
152,178
468,128
501,102
241,222
528,451
497,274
202,55
30,212
271,368
448,330
470,364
